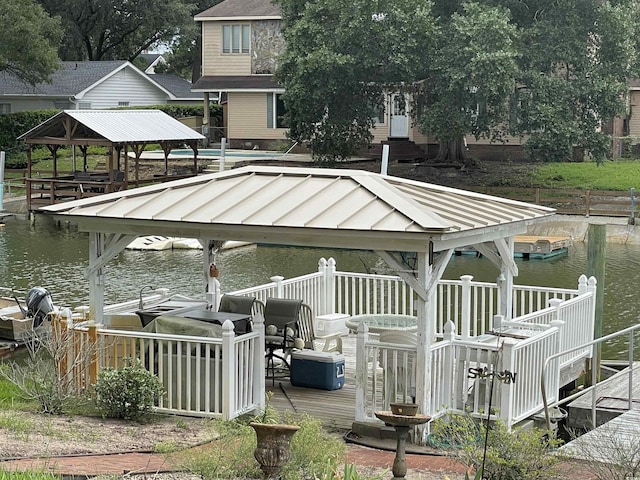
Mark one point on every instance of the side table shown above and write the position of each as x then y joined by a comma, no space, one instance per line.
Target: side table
331,328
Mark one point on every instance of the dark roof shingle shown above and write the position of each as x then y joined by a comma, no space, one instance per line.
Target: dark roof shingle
242,8
69,80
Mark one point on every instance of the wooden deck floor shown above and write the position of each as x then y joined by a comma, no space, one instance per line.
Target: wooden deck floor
613,442
335,408
612,399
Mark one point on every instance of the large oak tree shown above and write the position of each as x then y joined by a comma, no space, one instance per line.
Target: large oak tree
29,40
338,62
550,71
116,29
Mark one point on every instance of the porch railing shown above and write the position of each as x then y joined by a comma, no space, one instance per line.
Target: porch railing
206,377
462,366
470,305
222,377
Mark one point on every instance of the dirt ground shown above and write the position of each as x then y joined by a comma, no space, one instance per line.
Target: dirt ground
25,434
479,173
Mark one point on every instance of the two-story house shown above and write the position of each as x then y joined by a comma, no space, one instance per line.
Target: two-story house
241,42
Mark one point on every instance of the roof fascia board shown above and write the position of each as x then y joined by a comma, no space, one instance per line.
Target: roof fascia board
239,90
488,234
130,66
63,141
82,93
415,242
237,18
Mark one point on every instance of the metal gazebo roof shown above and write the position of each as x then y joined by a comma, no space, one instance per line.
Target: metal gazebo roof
307,206
105,127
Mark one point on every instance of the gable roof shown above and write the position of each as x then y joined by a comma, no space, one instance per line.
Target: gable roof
150,58
178,86
307,206
72,79
69,80
245,9
110,126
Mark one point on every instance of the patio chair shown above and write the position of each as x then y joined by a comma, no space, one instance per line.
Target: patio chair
238,304
281,330
305,327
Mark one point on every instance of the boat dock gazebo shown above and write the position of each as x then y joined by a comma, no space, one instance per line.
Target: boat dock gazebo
415,227
121,132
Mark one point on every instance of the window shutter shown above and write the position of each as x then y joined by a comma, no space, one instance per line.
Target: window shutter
270,110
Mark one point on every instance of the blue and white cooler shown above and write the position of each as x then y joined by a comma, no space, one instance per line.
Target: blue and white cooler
323,370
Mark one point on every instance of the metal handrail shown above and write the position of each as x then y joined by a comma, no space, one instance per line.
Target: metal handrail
629,330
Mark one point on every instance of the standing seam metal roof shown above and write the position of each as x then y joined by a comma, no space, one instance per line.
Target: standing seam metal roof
307,198
119,126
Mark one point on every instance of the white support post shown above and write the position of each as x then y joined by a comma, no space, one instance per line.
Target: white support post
449,371
212,291
361,371
259,373
506,389
330,288
324,303
223,144
96,278
229,374
553,382
466,305
582,284
424,337
277,279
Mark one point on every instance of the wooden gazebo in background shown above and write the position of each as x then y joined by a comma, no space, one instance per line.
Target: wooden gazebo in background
121,132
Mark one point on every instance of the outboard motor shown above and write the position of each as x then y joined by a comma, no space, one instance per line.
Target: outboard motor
39,304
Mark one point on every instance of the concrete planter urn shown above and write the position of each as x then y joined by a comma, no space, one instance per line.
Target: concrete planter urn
273,448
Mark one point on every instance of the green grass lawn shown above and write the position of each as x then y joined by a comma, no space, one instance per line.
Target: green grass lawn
610,175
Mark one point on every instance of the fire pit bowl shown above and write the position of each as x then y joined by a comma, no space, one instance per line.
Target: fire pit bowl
407,409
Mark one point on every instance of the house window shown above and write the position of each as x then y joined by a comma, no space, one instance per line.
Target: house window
379,110
123,104
61,104
5,108
275,111
236,38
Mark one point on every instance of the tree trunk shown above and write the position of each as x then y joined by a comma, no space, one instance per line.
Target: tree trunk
452,151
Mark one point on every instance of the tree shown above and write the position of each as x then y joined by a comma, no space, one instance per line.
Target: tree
116,29
546,70
472,72
576,62
337,63
185,51
29,39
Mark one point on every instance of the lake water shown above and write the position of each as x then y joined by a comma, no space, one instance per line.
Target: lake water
56,258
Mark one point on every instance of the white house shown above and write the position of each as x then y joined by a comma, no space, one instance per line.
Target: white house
94,85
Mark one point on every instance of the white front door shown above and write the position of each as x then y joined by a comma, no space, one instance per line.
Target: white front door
399,121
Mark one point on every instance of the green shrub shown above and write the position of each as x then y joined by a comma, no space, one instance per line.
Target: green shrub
128,392
524,454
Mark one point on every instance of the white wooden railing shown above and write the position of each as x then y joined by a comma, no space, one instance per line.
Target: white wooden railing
225,377
205,377
462,366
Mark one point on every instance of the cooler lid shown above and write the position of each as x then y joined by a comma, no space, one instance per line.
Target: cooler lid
326,357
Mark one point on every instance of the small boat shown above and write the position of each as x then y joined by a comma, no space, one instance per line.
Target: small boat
20,324
159,242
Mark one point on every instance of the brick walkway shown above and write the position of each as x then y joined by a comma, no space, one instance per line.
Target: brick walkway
419,466
146,463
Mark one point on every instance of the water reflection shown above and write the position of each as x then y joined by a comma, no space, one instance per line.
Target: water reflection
56,258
